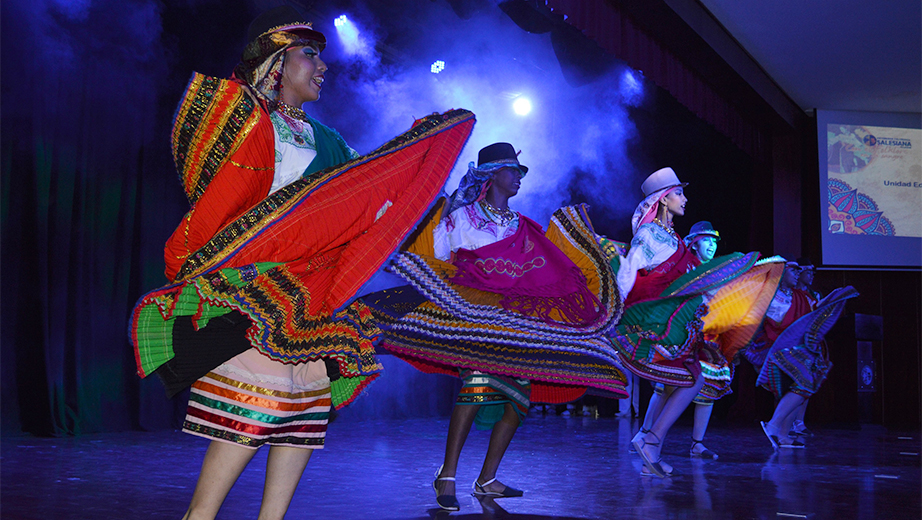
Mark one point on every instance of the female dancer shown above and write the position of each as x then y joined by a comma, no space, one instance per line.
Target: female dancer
737,290
702,241
805,284
788,305
524,313
805,280
258,317
794,361
657,257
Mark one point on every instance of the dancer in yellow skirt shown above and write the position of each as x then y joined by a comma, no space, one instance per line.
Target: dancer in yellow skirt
682,320
517,313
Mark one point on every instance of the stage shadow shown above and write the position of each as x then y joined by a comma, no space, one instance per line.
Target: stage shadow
491,510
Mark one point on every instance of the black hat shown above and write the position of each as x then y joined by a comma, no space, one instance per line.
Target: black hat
285,18
500,153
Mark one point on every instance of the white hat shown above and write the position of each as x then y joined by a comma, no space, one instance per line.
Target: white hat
660,180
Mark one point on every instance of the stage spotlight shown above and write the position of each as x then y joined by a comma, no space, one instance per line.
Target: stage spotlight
631,86
437,67
349,34
522,106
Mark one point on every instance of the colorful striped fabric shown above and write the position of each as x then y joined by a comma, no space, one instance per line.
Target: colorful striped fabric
797,360
491,393
734,314
251,401
662,340
293,262
737,309
213,120
717,375
795,369
657,339
717,372
459,327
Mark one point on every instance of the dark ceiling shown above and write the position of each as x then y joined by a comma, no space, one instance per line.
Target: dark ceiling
842,55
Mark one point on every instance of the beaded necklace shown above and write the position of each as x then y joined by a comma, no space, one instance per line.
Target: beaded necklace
505,216
666,227
292,112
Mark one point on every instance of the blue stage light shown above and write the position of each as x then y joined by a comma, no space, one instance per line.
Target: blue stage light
522,106
631,86
349,34
437,67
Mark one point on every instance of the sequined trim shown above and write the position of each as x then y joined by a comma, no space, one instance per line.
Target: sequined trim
198,152
252,168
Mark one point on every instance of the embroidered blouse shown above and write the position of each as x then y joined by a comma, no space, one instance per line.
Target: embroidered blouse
779,306
651,246
469,227
295,148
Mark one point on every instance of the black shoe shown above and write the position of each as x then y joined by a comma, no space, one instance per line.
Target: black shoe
509,492
446,502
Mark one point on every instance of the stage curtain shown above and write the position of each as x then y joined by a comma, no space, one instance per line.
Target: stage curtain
85,162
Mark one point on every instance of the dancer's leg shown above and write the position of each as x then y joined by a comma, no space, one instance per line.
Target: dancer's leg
624,405
499,441
784,414
283,473
801,411
700,427
675,404
635,394
655,407
223,464
462,417
798,425
630,407
702,418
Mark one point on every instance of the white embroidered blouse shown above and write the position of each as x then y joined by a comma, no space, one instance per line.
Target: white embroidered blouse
295,148
651,246
469,227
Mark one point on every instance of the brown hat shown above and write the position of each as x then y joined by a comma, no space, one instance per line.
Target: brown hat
270,35
284,18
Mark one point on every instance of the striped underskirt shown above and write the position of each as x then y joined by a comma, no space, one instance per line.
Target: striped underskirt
252,400
492,392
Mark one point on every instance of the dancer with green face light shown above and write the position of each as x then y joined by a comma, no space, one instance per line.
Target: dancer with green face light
702,240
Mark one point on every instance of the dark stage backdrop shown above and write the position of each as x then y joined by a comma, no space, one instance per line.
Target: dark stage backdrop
90,194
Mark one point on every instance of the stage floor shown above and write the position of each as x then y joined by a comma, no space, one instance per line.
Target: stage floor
569,467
